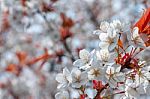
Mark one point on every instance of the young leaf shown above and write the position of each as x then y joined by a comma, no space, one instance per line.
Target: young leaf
120,44
143,23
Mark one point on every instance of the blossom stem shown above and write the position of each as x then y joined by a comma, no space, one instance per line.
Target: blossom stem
99,92
68,50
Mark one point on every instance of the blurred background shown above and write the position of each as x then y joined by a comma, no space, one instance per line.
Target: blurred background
38,38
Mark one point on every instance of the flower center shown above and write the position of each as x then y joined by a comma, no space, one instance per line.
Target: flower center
96,72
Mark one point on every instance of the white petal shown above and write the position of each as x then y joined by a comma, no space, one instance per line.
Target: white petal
104,54
112,83
58,95
98,54
117,24
141,90
111,33
84,54
118,69
67,74
103,36
75,72
119,77
84,78
132,92
112,46
79,63
97,32
104,45
135,32
91,92
104,26
60,78
66,71
76,85
85,67
62,95
110,70
61,86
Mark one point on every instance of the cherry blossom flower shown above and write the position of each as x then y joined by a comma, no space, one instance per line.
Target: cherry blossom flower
108,34
64,78
103,55
117,25
114,76
118,66
85,59
104,26
108,40
135,88
96,73
108,43
78,78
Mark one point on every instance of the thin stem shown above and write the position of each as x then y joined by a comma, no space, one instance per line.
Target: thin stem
68,50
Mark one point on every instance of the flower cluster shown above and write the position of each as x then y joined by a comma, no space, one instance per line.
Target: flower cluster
117,68
38,38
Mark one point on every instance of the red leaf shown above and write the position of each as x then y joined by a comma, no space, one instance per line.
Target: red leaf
144,26
22,57
83,96
5,22
143,23
97,85
23,2
120,44
44,57
12,68
65,33
47,7
67,22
